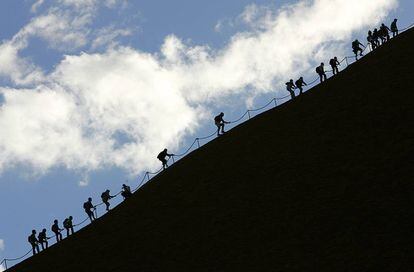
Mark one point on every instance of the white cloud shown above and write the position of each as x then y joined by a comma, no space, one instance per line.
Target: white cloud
77,117
107,37
37,5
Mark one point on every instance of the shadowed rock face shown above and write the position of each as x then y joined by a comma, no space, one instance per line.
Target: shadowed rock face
323,183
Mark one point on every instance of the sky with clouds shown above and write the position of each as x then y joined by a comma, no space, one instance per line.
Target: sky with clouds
92,90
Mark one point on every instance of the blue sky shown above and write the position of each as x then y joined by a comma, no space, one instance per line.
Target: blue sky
92,90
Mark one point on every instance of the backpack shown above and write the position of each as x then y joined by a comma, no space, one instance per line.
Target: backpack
158,157
66,223
55,228
318,69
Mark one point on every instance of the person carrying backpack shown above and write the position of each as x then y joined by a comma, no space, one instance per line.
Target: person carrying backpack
375,37
299,84
356,49
89,208
105,196
290,87
126,191
42,237
163,158
219,122
56,230
68,225
320,70
334,64
394,28
371,41
34,242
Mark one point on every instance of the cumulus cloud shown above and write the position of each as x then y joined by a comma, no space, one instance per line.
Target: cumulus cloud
121,107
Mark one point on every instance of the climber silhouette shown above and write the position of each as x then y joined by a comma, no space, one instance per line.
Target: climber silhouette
105,196
42,237
375,37
356,49
126,191
219,122
394,28
68,225
89,208
334,64
371,41
320,70
290,87
55,229
163,158
385,33
299,84
34,242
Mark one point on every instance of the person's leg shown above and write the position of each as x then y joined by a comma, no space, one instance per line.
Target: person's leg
67,232
71,228
107,205
33,249
46,243
324,77
57,237
41,244
300,90
320,77
60,236
37,248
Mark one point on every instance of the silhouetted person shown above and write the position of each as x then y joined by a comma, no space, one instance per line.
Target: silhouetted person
320,70
34,242
394,28
334,64
43,239
357,49
299,84
385,33
290,87
219,122
68,225
89,208
371,41
375,37
106,196
126,191
56,230
163,158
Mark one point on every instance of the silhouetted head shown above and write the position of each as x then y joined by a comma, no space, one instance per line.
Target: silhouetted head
123,185
107,191
335,58
55,221
43,230
322,64
369,32
376,29
90,199
70,217
395,20
301,78
221,114
382,25
291,81
33,231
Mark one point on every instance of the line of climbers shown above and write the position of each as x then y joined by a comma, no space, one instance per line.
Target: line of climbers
68,222
375,38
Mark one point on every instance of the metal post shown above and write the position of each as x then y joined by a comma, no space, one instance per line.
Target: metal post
274,99
198,142
346,60
5,264
248,113
147,174
96,213
173,159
